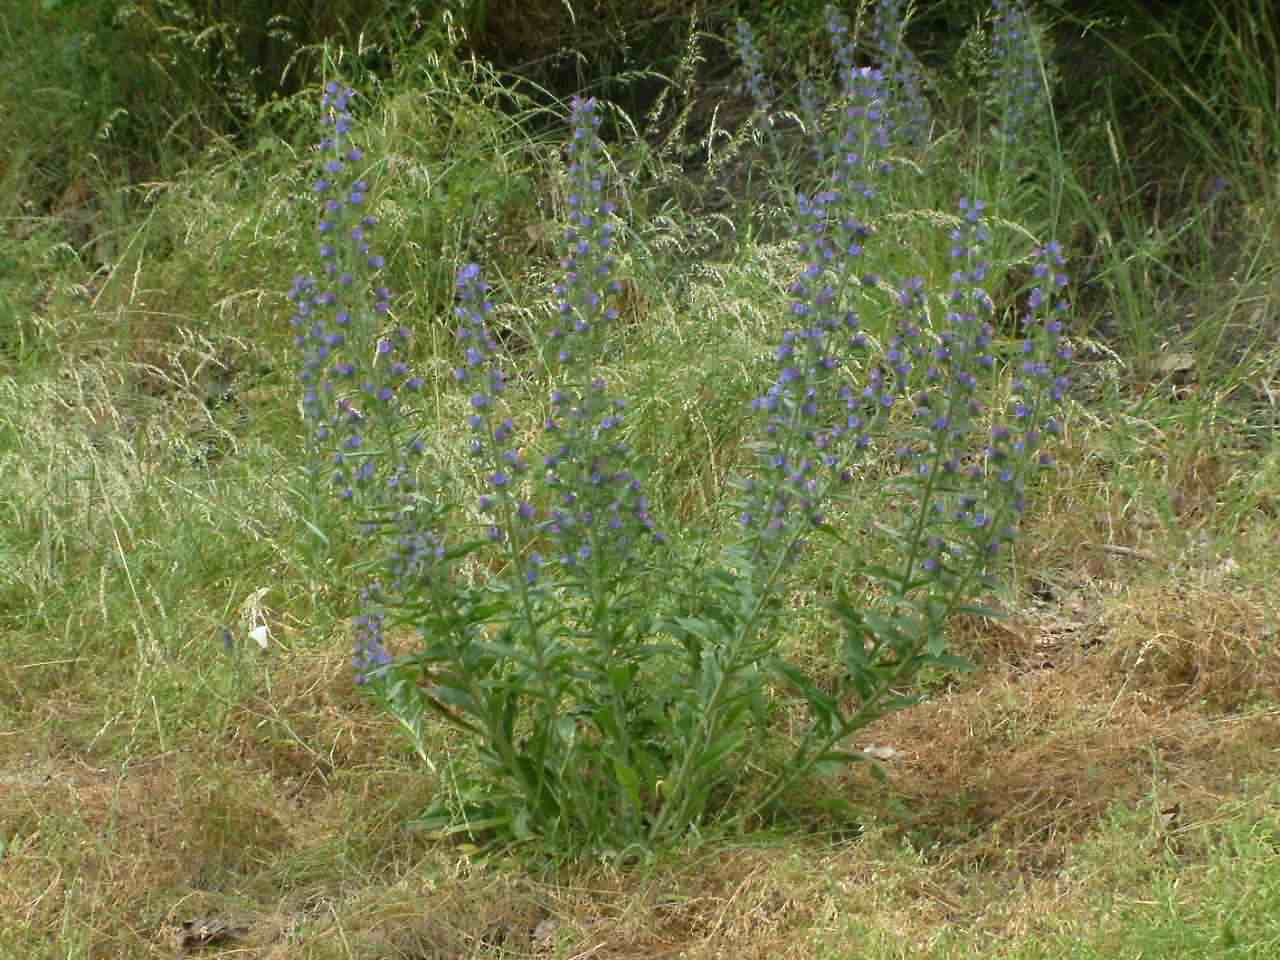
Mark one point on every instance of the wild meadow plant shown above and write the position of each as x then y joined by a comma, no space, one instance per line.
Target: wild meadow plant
1017,87
1020,108
610,693
352,372
902,71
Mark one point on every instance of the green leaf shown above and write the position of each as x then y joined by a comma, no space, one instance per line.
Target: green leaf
320,534
865,681
709,680
840,809
699,627
503,708
441,827
520,827
841,758
628,779
834,761
818,701
448,715
977,610
893,628
622,678
829,531
457,697
501,651
950,661
567,730
458,551
716,751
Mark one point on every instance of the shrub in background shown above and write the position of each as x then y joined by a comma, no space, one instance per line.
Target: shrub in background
120,93
611,684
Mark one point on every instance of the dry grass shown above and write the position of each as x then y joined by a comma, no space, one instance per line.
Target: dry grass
272,818
162,797
291,826
1021,765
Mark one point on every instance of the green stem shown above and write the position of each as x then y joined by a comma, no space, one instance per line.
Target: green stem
678,785
867,711
603,639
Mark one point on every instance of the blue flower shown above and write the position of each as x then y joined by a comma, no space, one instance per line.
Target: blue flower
338,335
902,73
1021,101
370,655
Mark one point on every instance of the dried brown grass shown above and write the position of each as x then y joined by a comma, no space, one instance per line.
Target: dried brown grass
1151,700
292,824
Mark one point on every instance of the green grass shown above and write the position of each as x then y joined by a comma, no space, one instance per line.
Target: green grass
1101,786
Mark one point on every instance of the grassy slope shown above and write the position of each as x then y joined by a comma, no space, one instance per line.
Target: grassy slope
1103,785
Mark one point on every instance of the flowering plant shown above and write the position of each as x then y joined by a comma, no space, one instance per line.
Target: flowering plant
610,683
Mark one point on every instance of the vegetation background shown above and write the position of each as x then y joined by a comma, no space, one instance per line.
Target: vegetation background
173,776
